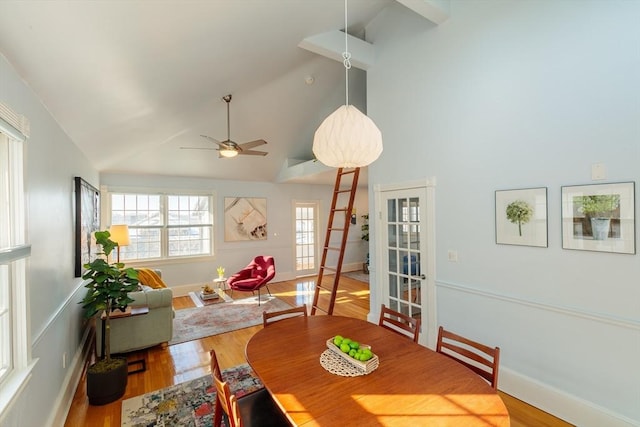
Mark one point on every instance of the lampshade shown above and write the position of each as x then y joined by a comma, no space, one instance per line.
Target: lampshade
228,153
347,139
120,234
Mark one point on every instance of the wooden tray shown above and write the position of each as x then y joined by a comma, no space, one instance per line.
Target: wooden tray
368,366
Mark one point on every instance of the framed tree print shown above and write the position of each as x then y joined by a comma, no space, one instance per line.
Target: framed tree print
599,217
521,217
87,223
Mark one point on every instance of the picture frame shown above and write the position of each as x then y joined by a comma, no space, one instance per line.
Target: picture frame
87,210
245,218
521,217
599,217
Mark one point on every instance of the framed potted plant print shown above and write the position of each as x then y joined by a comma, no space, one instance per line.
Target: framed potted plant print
521,217
599,217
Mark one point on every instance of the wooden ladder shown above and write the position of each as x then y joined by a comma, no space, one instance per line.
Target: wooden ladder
333,226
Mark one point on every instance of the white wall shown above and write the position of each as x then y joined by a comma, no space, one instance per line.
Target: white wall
236,255
520,94
52,161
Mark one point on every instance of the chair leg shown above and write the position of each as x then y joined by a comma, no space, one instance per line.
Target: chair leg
268,290
259,297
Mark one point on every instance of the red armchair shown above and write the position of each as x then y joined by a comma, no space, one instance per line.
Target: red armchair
254,276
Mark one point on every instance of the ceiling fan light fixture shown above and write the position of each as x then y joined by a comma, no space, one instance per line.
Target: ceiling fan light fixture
227,152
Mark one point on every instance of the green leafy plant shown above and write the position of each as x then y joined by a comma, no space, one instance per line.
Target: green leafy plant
365,227
519,212
598,206
108,286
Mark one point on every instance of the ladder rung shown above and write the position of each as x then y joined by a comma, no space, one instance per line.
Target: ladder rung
329,248
321,309
347,172
346,190
339,209
336,229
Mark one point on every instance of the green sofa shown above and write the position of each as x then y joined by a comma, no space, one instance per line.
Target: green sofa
144,330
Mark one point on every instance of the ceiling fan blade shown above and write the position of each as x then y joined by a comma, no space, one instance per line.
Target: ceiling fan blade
252,144
215,141
253,153
199,148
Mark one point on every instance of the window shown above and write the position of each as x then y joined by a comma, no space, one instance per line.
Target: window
14,334
163,226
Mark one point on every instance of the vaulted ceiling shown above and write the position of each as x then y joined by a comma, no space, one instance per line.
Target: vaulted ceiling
133,81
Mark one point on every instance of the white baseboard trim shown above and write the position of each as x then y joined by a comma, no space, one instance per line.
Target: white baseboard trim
560,404
70,385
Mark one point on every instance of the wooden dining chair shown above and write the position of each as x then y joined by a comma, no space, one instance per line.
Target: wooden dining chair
251,410
269,317
480,358
400,323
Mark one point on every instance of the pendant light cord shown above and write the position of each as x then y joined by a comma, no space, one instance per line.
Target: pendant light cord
346,57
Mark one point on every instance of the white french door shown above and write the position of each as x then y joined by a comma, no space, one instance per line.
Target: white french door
306,235
406,253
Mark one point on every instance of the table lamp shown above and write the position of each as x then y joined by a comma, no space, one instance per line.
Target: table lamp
120,235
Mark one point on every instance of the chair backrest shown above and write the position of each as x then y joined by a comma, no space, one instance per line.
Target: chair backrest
400,323
229,403
264,266
269,317
480,358
225,401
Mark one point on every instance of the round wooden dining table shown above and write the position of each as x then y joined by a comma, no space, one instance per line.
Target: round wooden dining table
412,385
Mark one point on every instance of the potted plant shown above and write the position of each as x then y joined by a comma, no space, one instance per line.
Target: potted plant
365,236
108,287
600,208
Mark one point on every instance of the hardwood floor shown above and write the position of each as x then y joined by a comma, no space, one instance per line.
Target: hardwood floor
181,362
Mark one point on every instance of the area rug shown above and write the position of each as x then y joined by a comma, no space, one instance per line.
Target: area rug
199,322
190,403
357,275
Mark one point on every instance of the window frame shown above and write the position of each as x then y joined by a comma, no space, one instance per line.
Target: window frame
106,207
14,254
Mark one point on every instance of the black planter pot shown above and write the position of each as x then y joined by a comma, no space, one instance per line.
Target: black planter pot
107,386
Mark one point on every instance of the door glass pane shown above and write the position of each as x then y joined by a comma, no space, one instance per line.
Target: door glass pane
414,211
404,236
403,211
391,210
393,262
393,238
416,295
393,285
414,236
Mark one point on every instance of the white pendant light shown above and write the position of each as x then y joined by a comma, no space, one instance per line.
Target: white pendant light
347,138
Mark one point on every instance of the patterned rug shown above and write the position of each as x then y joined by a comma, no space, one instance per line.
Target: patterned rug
199,322
190,403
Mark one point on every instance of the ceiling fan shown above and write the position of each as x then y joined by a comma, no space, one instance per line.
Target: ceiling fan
229,148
